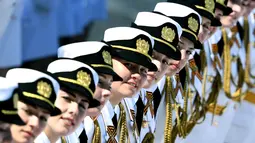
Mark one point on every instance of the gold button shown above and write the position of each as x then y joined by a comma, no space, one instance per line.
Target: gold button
210,78
145,124
215,124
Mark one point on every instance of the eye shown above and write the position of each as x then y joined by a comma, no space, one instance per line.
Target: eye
43,118
128,65
164,61
206,26
178,47
82,106
67,99
28,112
188,52
143,71
100,83
104,85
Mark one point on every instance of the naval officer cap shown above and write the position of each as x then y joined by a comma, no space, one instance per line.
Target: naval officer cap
165,31
94,53
76,76
36,88
205,8
187,17
131,44
8,102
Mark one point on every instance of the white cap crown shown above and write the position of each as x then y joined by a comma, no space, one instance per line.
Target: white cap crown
23,75
154,20
124,33
6,88
80,49
68,65
175,9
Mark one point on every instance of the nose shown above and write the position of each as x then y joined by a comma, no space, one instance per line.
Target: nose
201,30
106,93
158,64
73,108
175,62
34,121
136,77
236,8
183,52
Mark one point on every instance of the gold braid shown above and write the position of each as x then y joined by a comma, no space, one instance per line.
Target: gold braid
97,133
123,125
148,138
203,60
168,124
63,140
248,52
227,64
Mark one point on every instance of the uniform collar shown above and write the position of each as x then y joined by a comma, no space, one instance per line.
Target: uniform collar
110,109
42,138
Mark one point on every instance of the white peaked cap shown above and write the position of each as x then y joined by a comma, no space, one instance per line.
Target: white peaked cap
175,9
80,49
124,33
151,19
6,88
68,65
23,75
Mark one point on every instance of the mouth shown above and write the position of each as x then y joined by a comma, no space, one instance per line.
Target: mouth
174,66
133,84
68,121
152,76
28,134
102,103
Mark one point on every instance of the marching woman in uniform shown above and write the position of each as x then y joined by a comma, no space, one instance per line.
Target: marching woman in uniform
166,33
77,85
36,96
8,108
190,22
98,56
132,51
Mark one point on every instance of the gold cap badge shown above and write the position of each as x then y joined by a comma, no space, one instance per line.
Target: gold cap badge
83,78
142,46
44,89
107,57
193,24
209,4
168,34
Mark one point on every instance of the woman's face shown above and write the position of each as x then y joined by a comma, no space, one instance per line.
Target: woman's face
102,94
133,75
35,120
204,32
5,133
231,19
73,107
186,47
162,62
